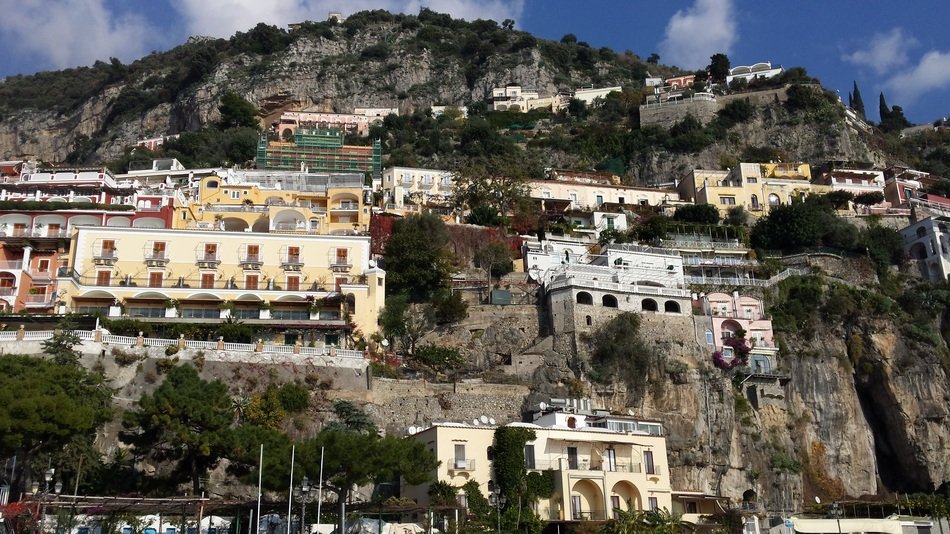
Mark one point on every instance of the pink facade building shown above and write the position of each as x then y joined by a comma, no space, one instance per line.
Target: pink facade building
734,313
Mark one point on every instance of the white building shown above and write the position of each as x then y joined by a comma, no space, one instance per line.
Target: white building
928,243
752,72
404,186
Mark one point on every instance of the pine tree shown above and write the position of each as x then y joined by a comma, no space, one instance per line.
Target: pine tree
857,103
883,109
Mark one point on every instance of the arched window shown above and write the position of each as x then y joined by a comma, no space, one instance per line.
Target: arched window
649,305
921,231
710,340
918,251
588,320
671,306
609,301
774,200
571,422
585,298
755,201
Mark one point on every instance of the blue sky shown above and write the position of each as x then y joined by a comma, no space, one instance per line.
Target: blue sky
901,48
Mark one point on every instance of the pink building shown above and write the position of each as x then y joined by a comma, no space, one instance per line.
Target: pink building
732,313
347,122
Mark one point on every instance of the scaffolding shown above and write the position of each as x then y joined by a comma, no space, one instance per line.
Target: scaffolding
319,150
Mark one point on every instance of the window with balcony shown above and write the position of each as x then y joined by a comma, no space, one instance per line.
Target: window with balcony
600,199
253,253
288,314
460,456
146,311
53,230
107,250
251,281
342,257
207,280
156,279
211,251
293,254
103,278
158,250
42,266
246,313
200,313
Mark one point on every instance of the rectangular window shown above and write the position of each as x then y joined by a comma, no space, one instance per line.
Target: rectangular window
576,511
293,283
573,197
620,200
253,252
42,266
460,456
108,248
572,457
610,459
293,254
246,313
146,311
727,201
654,503
751,180
529,456
53,230
341,256
290,315
155,279
610,223
600,199
207,280
211,251
201,313
250,281
615,505
103,278
648,466
235,195
709,338
692,508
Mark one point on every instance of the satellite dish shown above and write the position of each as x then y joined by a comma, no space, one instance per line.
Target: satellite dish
413,430
817,499
491,420
372,264
475,422
543,406
483,419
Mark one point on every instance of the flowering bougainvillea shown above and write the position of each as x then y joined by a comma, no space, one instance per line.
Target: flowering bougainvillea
740,353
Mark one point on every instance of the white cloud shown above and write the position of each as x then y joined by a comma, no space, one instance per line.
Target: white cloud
884,51
695,34
65,33
930,74
222,18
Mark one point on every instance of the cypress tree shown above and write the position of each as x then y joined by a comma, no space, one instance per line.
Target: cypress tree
883,109
857,103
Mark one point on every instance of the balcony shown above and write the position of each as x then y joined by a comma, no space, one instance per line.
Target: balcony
208,260
340,264
38,275
251,262
105,257
457,465
180,282
346,206
11,265
291,263
156,259
39,301
7,291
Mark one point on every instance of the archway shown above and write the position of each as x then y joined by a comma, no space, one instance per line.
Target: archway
585,298
609,301
587,501
624,496
234,224
649,305
119,222
921,231
774,200
918,251
261,226
288,220
148,222
671,306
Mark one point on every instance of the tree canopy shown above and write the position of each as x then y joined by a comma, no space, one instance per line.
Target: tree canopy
416,260
186,420
236,112
44,405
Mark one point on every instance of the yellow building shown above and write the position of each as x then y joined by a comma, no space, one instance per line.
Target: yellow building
602,463
276,201
312,285
757,187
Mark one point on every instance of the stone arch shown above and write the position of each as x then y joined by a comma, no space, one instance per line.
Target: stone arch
585,298
609,301
649,305
588,320
261,225
671,306
921,231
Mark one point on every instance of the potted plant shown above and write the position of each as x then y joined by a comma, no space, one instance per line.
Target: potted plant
171,308
265,310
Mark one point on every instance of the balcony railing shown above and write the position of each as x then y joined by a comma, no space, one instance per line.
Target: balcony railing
105,257
461,464
41,301
340,264
156,259
208,260
11,265
40,275
174,282
347,206
291,263
251,261
589,515
7,291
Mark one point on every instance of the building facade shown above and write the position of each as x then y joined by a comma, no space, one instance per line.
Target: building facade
927,243
602,463
319,150
757,187
326,285
405,186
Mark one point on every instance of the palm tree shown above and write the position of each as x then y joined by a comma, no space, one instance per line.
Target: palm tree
627,522
663,521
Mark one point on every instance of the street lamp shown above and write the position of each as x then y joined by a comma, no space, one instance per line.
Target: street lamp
304,496
496,499
57,487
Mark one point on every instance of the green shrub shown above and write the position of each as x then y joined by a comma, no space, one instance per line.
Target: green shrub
166,364
171,350
124,358
293,397
440,358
